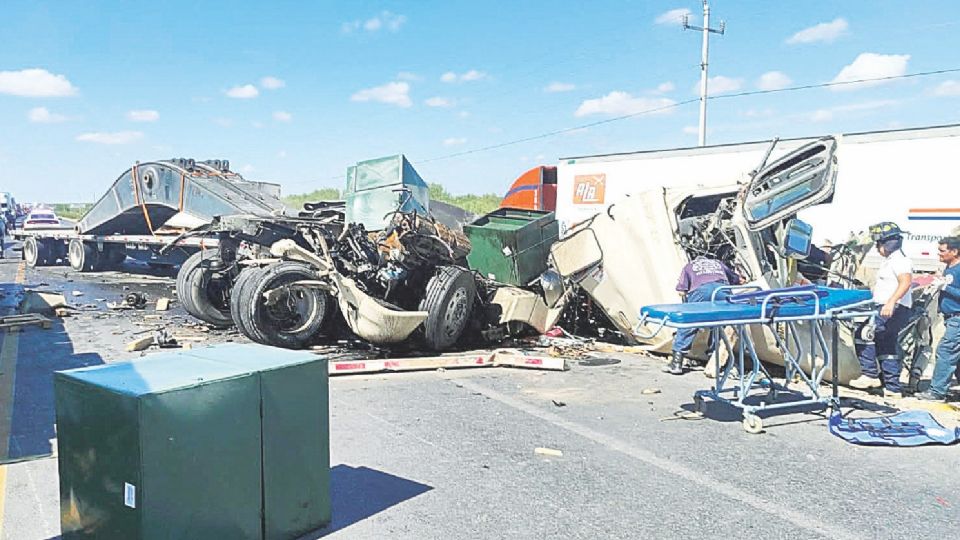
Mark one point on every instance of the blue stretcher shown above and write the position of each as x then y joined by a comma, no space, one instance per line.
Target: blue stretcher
780,310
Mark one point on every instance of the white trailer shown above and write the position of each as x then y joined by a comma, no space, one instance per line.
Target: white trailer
908,176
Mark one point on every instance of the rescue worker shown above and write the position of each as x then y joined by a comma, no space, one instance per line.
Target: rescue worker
698,280
948,351
891,293
3,236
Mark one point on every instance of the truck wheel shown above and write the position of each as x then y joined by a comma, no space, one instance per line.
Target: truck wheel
112,257
247,275
31,252
295,319
448,299
208,297
186,268
83,257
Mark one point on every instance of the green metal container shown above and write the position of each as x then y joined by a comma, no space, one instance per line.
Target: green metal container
226,442
296,442
377,187
511,245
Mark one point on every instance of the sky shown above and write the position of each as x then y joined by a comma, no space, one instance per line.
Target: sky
295,91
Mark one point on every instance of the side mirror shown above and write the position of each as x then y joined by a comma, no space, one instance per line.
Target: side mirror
553,288
797,239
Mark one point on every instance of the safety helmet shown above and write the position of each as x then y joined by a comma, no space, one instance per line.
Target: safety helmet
885,230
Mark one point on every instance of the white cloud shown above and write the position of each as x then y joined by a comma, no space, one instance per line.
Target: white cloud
454,141
385,19
621,103
116,137
773,80
559,87
272,83
674,16
282,154
947,88
463,114
691,130
827,114
35,83
41,115
282,116
438,101
472,75
143,115
407,76
246,91
665,87
223,122
720,85
824,32
247,168
393,93
871,66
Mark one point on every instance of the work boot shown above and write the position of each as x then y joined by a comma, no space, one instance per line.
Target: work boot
929,395
675,366
864,382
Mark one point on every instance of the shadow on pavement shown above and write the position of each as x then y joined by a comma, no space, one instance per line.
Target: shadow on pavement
361,492
39,353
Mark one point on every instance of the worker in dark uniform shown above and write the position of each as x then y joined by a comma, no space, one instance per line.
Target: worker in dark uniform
698,280
948,351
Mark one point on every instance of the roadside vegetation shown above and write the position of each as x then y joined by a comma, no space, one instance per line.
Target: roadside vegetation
477,204
71,211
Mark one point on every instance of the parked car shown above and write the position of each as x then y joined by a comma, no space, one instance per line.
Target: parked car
41,219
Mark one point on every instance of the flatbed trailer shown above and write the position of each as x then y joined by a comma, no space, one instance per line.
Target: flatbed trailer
95,252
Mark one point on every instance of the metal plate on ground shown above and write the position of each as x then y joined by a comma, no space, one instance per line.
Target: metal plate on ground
596,362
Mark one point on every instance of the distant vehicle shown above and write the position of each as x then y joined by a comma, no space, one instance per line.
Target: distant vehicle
41,219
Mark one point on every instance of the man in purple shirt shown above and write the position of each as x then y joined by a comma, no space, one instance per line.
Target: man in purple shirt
698,280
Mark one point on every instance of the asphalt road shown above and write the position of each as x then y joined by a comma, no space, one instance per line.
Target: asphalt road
450,454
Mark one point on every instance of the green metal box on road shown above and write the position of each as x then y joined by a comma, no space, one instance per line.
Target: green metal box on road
201,444
511,245
377,187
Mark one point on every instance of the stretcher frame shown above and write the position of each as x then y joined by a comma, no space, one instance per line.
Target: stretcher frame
747,382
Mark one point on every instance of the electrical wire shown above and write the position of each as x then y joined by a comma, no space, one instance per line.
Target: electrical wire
675,105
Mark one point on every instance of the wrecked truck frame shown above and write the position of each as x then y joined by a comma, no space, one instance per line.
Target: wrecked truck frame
745,225
287,281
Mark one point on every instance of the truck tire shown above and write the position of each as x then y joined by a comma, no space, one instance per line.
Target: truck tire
208,297
82,256
112,257
448,299
291,323
188,266
37,252
246,276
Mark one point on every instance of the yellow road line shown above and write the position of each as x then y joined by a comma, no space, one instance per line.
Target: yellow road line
8,372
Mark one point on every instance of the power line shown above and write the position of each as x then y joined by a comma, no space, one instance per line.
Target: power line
673,106
686,102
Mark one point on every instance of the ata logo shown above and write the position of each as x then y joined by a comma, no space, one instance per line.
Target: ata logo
589,188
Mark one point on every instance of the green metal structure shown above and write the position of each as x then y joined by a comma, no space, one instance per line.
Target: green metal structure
511,245
226,442
377,187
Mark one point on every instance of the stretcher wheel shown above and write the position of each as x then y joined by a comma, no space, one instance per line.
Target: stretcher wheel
752,423
699,405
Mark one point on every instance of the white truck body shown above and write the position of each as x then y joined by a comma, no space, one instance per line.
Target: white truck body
907,176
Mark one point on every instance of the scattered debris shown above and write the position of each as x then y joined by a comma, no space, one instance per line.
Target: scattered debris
14,323
548,452
648,391
78,293
140,344
137,300
558,403
42,302
163,304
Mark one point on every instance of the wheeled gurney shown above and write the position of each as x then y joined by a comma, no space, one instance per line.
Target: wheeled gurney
781,311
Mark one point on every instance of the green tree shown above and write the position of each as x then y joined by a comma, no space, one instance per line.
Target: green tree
323,194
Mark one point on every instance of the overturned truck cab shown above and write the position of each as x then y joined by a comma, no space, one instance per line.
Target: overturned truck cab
630,254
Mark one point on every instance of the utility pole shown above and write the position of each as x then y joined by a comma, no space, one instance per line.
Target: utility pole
703,63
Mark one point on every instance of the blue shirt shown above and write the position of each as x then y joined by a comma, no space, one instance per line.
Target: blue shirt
950,295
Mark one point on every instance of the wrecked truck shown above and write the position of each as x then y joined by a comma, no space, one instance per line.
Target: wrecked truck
379,264
630,255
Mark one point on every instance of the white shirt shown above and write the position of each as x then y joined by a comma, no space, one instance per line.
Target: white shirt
891,267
